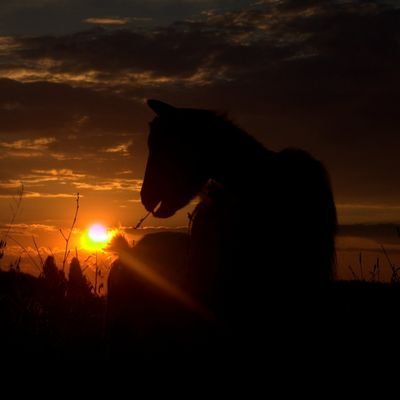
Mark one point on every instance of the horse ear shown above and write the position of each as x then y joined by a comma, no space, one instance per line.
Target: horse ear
159,107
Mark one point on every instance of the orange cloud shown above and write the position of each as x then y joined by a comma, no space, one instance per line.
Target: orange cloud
37,195
120,148
133,185
107,21
29,144
40,177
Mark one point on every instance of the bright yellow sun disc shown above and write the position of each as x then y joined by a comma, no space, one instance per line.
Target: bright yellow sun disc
96,237
98,233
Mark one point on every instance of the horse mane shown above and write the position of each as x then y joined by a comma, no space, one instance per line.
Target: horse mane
226,139
230,128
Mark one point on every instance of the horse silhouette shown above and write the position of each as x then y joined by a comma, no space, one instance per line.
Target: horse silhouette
268,220
262,235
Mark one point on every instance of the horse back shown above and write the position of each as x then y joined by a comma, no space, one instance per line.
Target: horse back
304,214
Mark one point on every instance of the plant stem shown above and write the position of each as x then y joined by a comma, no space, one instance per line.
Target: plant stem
95,279
67,238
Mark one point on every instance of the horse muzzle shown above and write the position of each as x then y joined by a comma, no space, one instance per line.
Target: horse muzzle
162,210
159,208
149,200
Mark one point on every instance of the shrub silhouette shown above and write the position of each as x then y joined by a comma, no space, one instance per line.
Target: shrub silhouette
78,287
54,280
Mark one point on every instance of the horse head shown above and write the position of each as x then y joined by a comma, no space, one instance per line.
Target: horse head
176,169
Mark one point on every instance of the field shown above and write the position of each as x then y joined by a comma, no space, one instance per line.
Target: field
56,316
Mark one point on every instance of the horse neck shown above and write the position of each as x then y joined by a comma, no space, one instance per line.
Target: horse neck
236,156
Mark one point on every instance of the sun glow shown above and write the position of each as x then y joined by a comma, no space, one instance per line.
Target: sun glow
96,237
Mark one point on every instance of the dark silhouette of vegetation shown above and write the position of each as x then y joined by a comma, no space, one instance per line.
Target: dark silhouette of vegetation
67,237
79,288
15,206
2,248
50,316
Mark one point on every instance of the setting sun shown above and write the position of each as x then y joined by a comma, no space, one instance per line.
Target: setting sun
98,233
96,237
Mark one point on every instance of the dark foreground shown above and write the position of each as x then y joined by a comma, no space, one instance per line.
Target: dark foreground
345,316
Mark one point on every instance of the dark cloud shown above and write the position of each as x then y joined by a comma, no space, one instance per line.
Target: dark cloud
294,58
170,52
35,17
46,105
384,232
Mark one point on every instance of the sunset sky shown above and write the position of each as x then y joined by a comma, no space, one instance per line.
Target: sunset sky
75,74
